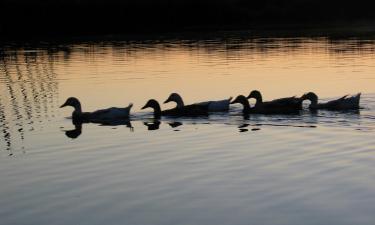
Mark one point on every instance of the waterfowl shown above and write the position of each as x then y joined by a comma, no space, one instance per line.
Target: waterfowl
212,106
189,110
218,105
244,102
109,114
343,103
152,103
261,109
289,102
192,110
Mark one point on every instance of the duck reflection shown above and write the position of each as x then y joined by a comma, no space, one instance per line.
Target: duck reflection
75,132
174,124
113,123
153,125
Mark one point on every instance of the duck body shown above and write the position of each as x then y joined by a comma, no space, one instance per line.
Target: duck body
113,113
266,109
262,109
280,104
186,111
209,106
217,106
343,103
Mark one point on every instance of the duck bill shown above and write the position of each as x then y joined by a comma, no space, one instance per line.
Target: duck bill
63,105
145,106
233,102
166,101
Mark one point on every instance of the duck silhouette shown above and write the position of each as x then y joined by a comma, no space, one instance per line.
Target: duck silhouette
186,111
262,109
101,115
289,102
210,106
343,103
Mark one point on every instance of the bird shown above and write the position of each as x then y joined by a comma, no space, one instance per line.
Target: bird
343,103
211,106
108,114
261,109
187,111
289,102
218,105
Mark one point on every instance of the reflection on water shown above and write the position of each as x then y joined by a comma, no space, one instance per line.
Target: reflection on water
74,133
314,168
30,75
29,92
307,119
153,125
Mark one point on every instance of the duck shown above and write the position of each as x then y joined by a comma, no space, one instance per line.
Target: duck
218,105
289,102
343,103
108,114
189,110
245,103
212,106
261,109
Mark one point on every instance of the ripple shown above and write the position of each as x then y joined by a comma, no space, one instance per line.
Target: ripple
221,169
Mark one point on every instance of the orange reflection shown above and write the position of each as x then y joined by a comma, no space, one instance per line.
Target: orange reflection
117,76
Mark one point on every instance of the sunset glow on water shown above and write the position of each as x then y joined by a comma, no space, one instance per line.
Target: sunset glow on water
317,168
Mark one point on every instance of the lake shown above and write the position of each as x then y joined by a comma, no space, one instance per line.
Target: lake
311,168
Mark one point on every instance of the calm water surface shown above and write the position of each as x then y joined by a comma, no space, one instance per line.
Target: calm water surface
224,169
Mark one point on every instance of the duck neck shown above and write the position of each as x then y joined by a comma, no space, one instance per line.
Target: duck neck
179,102
157,111
259,99
314,100
246,105
77,109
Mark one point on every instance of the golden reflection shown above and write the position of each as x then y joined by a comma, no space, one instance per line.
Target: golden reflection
28,95
115,75
35,81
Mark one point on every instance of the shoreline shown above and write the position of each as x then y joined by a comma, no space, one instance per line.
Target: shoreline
333,30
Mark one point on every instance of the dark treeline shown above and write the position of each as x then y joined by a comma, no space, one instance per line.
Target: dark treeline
79,17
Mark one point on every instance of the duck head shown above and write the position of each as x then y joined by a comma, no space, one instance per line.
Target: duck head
311,96
174,97
255,94
72,101
152,103
239,99
242,100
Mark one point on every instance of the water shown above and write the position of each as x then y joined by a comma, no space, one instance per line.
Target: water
224,169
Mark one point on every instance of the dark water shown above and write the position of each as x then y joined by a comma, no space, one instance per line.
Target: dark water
224,169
